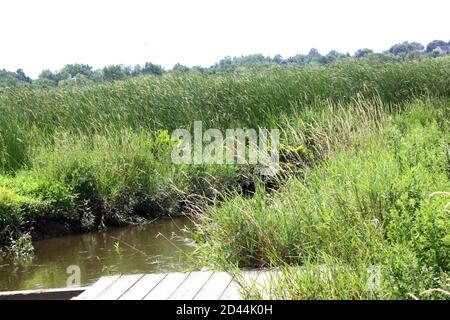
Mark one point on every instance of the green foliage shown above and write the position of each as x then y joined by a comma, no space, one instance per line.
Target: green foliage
13,209
90,182
406,47
434,44
117,248
73,70
13,79
21,248
361,53
114,72
359,164
367,204
153,69
173,101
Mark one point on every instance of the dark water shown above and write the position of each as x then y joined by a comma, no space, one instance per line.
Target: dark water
157,247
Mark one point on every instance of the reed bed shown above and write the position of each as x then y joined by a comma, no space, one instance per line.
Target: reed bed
371,144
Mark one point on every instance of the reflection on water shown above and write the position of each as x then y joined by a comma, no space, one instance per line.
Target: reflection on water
156,247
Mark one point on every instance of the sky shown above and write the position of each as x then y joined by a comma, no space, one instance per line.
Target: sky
47,34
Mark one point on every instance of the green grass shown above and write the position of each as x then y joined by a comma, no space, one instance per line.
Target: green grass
92,182
367,204
364,146
32,116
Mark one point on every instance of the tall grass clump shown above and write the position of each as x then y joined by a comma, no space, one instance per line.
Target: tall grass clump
367,204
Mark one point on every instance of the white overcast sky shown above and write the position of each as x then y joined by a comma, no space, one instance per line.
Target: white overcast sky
39,34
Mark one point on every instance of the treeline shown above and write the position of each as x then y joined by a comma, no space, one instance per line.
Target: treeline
78,74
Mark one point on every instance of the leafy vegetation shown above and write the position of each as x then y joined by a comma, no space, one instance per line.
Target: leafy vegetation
366,204
364,145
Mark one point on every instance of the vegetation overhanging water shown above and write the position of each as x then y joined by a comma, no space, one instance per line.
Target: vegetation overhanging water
160,246
364,182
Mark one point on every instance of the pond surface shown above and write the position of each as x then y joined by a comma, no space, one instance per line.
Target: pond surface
160,246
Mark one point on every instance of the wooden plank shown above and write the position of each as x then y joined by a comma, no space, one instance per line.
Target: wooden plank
176,286
214,287
43,294
231,292
97,288
143,286
119,287
164,289
191,285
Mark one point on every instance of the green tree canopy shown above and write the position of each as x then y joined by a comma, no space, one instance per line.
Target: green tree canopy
114,72
72,70
360,53
179,68
405,47
151,68
434,44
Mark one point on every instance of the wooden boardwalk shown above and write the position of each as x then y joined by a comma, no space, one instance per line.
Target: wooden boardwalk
195,285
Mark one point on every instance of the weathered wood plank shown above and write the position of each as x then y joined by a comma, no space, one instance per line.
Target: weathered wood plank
97,288
197,285
43,294
119,287
191,285
214,287
164,289
143,286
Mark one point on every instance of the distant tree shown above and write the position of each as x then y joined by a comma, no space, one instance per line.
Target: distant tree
278,59
416,46
13,79
225,61
362,52
313,52
313,57
7,79
137,71
253,59
150,68
21,76
298,59
97,76
128,71
72,70
49,77
405,47
179,68
333,56
434,44
114,72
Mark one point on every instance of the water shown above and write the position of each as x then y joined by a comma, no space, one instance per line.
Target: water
157,247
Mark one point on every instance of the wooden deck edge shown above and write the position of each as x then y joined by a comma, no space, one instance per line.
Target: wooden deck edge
43,294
